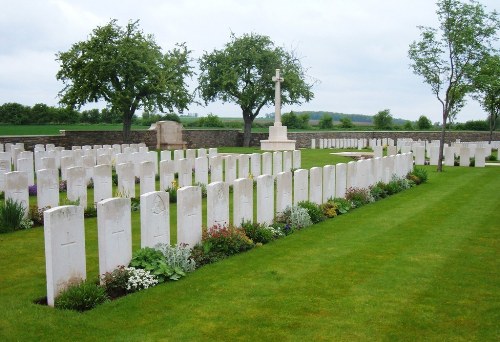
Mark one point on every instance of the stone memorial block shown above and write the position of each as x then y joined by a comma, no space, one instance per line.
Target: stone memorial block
64,235
216,169
449,155
480,157
47,188
189,215
316,185
419,152
185,173
255,164
201,170
76,185
378,151
212,152
243,165
229,169
340,180
352,174
169,135
103,159
202,152
167,174
38,159
300,186
114,233
66,163
265,199
433,154
178,155
26,165
284,197
4,168
103,186
321,143
328,182
16,188
287,161
126,180
147,177
392,150
464,156
88,165
242,201
165,155
155,219
267,163
313,144
297,159
218,204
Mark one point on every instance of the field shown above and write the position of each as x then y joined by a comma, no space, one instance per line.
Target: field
420,265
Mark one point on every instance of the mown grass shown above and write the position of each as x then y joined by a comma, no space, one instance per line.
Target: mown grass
420,265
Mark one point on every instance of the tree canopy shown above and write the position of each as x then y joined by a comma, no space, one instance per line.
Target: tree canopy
127,69
383,119
446,57
242,73
423,122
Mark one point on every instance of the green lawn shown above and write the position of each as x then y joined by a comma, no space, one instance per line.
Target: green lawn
420,265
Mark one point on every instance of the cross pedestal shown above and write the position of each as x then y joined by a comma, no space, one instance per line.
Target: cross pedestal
278,140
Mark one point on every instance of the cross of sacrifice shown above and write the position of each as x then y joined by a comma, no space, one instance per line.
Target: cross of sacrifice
277,97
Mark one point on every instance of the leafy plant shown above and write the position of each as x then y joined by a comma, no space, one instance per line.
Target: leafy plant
153,260
140,279
11,216
36,215
294,218
227,240
491,157
178,256
260,233
378,191
343,205
358,196
329,209
81,296
314,211
115,282
135,204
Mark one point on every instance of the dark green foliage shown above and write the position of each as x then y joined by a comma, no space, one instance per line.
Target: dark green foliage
423,122
314,211
326,122
171,117
408,126
421,174
383,119
82,296
257,232
358,196
115,283
474,125
11,216
346,122
153,260
378,191
294,121
211,120
491,157
36,215
343,205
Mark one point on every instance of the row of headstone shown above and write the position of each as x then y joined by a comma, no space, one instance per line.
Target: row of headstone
339,143
65,232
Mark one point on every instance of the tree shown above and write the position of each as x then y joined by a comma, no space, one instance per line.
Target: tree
446,57
383,119
423,122
487,88
326,122
242,73
346,122
127,69
408,126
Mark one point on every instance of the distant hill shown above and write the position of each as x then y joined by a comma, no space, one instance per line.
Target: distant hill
355,118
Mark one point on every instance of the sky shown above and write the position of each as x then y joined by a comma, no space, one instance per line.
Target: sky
357,50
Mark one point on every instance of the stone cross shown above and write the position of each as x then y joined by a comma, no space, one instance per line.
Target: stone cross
277,98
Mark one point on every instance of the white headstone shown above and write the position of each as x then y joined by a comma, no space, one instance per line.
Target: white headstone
126,179
216,169
114,233
464,156
155,218
165,155
185,173
265,199
26,165
147,177
65,262
242,201
189,215
378,151
297,159
255,164
284,188
201,170
167,174
449,155
419,152
66,162
103,186
287,161
4,168
229,169
340,180
328,182
352,174
267,163
391,150
480,157
16,188
243,165
316,185
47,188
300,186
218,204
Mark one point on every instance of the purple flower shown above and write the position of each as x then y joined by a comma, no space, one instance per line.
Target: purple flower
32,190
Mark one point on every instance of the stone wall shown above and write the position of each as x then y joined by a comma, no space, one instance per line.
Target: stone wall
229,138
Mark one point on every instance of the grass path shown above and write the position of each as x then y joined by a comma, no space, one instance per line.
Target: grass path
420,265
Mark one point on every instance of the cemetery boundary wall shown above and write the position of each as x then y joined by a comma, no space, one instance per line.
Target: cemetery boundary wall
231,138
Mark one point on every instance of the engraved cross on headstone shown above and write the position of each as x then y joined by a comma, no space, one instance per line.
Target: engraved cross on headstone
277,98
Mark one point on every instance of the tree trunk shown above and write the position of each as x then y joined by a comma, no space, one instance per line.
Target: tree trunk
247,131
441,144
127,125
492,126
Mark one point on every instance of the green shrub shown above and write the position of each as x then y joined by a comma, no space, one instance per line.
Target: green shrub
343,205
178,256
397,185
81,296
153,260
115,283
227,240
358,196
419,173
491,157
329,209
11,216
36,215
211,120
378,191
326,122
260,233
294,218
171,117
314,211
